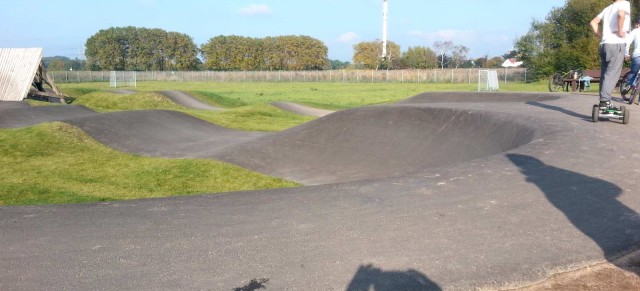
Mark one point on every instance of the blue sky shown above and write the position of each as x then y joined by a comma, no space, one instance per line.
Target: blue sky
484,26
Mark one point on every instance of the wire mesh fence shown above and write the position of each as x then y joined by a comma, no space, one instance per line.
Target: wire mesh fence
331,76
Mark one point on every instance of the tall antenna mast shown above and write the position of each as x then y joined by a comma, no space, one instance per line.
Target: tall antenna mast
385,12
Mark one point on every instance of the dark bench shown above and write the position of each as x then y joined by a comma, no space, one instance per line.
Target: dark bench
570,81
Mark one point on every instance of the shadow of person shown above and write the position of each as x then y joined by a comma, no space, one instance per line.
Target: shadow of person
560,109
589,203
371,278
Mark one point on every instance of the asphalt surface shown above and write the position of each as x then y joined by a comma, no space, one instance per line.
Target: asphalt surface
302,109
441,191
187,100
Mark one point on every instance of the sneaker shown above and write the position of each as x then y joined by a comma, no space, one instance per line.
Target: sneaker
625,89
604,104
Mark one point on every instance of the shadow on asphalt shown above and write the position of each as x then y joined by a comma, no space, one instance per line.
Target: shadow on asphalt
371,278
589,203
255,284
562,110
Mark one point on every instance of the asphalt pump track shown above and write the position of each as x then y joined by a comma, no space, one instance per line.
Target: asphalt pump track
440,191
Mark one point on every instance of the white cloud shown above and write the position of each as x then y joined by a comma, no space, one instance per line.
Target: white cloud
446,34
348,37
255,9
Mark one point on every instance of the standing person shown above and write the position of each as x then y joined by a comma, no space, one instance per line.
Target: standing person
633,37
616,22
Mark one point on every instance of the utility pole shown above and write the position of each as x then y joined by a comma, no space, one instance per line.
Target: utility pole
385,11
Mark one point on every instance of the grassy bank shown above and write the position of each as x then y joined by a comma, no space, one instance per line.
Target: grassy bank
56,163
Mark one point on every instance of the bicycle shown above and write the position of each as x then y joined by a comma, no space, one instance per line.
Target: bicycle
632,98
556,81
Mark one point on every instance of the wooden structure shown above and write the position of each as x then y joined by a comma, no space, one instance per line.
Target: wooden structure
22,75
40,92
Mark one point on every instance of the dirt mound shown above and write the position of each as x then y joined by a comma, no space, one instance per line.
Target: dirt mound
27,116
187,100
161,133
301,109
379,141
484,97
13,104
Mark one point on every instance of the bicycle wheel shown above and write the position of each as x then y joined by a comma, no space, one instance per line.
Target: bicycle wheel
625,95
634,96
555,82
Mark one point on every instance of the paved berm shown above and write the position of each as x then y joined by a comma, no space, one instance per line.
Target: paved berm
452,191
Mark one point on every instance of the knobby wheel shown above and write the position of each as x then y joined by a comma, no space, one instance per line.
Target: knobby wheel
625,115
595,113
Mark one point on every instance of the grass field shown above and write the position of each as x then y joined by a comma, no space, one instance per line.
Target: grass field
322,95
57,163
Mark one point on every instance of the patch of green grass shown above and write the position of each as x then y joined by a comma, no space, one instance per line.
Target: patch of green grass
56,163
79,91
33,102
217,99
106,101
259,117
256,117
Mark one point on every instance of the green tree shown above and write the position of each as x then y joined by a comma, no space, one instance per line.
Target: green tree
109,49
563,41
132,48
494,62
182,52
338,65
56,65
368,55
270,53
60,63
419,57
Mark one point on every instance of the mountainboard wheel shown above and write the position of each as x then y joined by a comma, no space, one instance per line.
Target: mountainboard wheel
625,115
595,113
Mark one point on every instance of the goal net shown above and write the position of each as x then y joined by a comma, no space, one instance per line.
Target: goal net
488,80
122,79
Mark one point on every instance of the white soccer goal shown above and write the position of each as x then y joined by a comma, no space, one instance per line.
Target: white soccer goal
122,79
488,80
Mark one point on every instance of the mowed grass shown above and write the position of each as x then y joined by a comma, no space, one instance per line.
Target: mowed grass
333,96
55,163
254,117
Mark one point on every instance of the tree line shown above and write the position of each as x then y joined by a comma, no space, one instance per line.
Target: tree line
564,41
144,49
140,49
